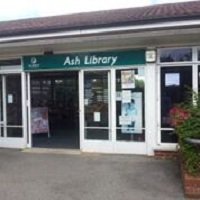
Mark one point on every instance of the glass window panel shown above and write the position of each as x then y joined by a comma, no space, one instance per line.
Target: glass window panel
96,104
168,136
1,108
199,77
14,132
1,100
175,82
130,137
130,104
101,134
13,100
2,133
10,62
198,54
176,55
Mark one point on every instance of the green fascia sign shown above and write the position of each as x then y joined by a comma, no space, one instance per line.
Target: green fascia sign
83,60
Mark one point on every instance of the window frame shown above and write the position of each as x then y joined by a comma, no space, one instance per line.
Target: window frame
143,108
173,48
194,63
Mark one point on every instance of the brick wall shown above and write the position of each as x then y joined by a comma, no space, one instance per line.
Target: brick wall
191,185
163,154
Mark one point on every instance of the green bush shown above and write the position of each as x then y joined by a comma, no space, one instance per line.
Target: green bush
191,154
190,128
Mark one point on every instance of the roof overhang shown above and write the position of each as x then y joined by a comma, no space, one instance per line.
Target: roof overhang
157,35
103,31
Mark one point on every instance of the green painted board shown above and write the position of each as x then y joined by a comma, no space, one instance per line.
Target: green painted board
83,60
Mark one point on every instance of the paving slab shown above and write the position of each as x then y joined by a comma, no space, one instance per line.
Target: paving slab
45,176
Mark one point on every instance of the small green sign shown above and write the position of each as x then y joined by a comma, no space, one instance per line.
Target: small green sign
83,60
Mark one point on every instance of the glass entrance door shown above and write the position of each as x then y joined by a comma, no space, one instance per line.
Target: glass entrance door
11,125
95,123
96,105
109,122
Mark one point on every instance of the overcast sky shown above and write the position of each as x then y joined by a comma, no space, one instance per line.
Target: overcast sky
16,9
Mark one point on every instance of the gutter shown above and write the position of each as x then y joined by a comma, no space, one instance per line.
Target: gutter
99,31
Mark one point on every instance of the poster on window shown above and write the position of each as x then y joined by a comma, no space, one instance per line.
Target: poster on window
126,96
128,79
39,120
172,79
131,115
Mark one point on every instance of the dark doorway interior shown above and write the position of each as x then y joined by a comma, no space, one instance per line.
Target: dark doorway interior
58,92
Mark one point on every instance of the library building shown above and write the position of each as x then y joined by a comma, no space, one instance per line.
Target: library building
101,81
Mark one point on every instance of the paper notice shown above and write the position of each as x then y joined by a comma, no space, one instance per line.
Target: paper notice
97,117
10,98
126,96
125,120
172,79
128,79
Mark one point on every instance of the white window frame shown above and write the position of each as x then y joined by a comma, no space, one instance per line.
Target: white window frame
103,146
109,104
129,68
94,145
112,145
9,142
194,64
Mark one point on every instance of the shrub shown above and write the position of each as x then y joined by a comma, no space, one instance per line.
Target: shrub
185,118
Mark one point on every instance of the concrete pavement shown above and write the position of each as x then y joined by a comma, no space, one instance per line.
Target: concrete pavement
33,176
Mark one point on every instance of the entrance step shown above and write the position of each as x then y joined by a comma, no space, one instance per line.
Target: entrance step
52,151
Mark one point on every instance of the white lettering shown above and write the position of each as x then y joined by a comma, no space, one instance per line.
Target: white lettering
72,61
94,60
105,60
77,61
67,61
114,60
86,60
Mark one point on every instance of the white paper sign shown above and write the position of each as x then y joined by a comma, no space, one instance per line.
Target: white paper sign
125,120
126,96
172,79
10,98
97,116
128,79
